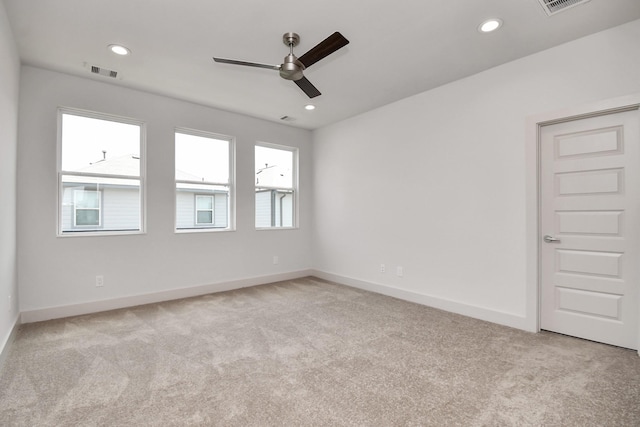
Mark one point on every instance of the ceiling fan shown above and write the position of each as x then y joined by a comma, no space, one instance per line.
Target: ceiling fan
292,67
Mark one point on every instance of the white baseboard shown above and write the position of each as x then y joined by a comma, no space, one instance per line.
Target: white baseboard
6,345
494,316
59,312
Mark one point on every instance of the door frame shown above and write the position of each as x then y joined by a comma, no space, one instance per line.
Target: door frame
533,191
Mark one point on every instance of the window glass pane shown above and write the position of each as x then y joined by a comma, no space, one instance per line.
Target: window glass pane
100,146
204,202
274,167
201,158
205,217
87,217
86,199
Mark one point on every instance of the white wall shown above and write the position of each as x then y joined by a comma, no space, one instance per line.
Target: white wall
455,159
9,84
60,271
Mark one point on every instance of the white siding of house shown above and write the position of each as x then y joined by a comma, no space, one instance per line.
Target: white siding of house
263,209
221,210
121,209
186,214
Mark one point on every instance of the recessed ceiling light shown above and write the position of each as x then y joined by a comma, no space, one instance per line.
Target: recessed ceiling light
119,49
309,107
490,25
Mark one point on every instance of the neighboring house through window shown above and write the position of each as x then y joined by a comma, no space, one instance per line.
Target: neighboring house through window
276,177
100,173
204,181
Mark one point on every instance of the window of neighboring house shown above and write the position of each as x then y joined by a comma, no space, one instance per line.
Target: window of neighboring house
204,181
86,204
204,210
100,173
276,178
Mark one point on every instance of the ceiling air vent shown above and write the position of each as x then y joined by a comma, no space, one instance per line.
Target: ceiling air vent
103,71
551,7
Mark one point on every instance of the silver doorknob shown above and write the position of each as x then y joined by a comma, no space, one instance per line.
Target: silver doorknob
550,239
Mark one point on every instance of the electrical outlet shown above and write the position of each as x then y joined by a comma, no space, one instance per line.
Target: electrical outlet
399,271
383,268
275,259
99,281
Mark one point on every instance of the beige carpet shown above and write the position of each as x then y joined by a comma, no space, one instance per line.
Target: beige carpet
309,352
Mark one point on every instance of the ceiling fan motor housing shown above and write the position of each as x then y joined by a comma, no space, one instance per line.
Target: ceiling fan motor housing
291,68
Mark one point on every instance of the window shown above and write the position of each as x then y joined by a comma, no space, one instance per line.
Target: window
275,186
204,188
100,173
86,204
204,210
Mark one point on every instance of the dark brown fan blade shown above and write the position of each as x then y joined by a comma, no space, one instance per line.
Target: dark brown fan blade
307,87
248,64
323,49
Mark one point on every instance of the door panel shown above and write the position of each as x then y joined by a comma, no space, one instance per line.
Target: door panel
589,303
604,264
590,203
607,181
596,142
592,223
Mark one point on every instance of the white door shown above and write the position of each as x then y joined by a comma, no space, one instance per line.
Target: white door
590,228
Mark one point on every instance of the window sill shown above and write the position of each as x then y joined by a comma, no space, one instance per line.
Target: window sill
66,234
202,230
276,228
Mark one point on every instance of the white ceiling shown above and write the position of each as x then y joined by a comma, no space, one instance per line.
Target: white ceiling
398,48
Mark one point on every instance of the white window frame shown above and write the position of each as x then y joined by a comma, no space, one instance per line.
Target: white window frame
231,185
75,209
212,210
141,178
294,189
